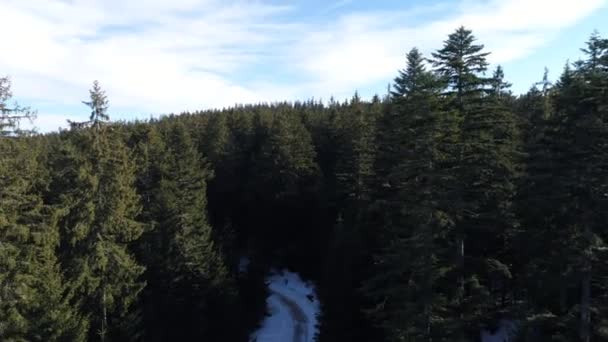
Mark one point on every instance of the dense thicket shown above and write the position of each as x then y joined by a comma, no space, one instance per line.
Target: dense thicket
425,215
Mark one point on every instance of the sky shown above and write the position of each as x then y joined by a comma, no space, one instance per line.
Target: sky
158,57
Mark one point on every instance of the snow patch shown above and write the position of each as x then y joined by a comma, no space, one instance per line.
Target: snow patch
244,264
293,308
505,332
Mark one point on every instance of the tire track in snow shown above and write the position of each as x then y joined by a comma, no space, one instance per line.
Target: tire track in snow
300,330
293,310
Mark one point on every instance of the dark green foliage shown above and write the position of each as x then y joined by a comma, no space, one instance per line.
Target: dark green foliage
186,273
486,166
93,190
460,63
32,305
98,104
349,245
410,261
32,302
571,205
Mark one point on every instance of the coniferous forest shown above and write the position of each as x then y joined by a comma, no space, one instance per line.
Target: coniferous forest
424,214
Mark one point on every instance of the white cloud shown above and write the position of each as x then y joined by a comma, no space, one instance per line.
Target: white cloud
46,122
363,48
160,57
168,56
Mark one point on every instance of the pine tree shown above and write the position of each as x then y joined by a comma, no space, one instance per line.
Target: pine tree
98,105
534,109
150,154
32,302
353,132
187,273
355,174
499,87
390,125
460,63
285,172
289,152
487,166
216,138
94,190
411,263
32,305
355,166
11,117
574,144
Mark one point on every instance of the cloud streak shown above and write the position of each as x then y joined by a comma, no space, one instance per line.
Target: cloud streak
157,56
363,48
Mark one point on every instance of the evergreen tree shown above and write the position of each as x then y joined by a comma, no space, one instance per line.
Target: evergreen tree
94,191
390,125
460,63
355,165
500,88
187,275
11,116
285,171
534,109
348,248
487,166
98,105
574,157
411,263
32,304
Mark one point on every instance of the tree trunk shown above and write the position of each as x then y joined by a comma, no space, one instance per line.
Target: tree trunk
461,266
104,319
427,313
563,295
585,323
586,304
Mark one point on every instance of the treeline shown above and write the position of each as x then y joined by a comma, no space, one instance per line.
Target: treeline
104,236
423,215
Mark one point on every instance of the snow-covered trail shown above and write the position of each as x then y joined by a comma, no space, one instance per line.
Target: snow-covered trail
293,309
298,317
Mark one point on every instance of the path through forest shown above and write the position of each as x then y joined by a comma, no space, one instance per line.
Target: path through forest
293,309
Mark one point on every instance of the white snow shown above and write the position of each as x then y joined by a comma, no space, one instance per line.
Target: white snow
279,326
504,333
293,308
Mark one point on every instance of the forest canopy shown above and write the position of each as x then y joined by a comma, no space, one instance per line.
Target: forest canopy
428,213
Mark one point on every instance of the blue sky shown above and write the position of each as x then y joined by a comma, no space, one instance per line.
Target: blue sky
158,56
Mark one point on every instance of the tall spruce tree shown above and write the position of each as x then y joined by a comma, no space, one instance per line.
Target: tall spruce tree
390,124
411,262
94,190
460,62
98,104
487,166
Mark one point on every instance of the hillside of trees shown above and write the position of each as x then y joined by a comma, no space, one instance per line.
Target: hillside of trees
425,214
